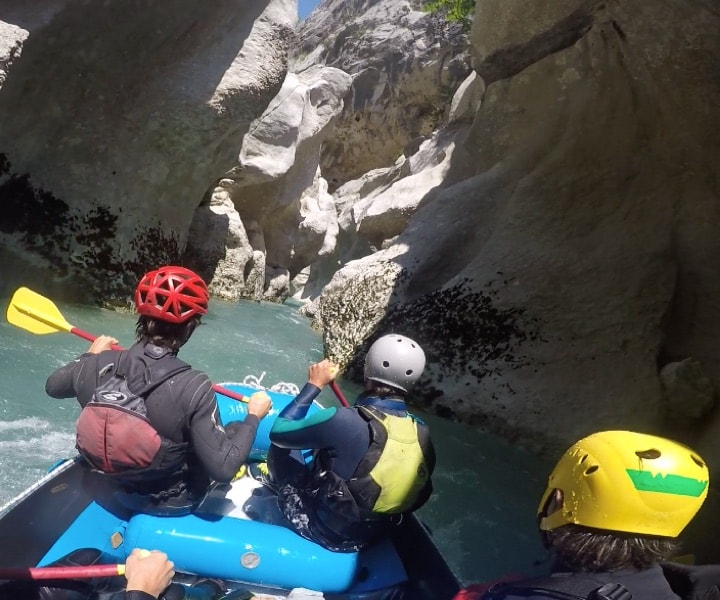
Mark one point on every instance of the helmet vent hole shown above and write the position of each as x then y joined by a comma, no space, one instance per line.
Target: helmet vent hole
650,454
591,470
584,458
386,364
697,461
408,372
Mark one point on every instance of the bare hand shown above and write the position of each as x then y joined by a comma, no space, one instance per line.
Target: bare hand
322,373
259,404
102,343
149,572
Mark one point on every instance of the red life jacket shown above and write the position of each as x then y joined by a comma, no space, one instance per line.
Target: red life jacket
113,432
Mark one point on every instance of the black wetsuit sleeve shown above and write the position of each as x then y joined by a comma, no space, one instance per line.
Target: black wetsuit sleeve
81,377
430,460
61,383
137,595
430,457
220,450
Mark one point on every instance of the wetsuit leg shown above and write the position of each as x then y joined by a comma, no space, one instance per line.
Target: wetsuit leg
287,466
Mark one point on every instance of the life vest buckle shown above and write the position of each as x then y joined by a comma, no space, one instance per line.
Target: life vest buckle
610,591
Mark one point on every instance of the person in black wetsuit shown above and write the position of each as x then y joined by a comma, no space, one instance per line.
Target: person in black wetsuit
164,460
372,463
614,506
147,574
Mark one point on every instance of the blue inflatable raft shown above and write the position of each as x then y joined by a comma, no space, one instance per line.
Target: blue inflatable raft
58,517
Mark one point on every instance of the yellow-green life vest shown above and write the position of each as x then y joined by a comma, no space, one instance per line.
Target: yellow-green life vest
394,471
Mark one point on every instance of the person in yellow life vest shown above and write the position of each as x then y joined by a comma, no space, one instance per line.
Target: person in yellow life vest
371,463
611,515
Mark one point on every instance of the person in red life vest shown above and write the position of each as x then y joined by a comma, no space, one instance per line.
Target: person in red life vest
613,509
150,422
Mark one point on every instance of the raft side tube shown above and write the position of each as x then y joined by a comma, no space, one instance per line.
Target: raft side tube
243,550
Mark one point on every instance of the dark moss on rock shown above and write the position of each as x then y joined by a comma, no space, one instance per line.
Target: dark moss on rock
45,226
462,330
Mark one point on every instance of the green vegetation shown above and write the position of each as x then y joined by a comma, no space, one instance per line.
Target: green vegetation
459,11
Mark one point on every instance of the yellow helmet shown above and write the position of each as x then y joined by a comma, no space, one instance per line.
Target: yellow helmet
629,482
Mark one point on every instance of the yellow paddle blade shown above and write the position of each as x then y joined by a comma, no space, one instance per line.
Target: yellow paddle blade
35,313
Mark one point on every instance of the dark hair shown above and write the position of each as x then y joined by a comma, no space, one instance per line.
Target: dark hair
582,549
383,390
161,333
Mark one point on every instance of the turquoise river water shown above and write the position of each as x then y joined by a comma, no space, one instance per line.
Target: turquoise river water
481,515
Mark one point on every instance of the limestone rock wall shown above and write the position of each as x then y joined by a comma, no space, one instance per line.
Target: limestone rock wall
548,233
569,253
117,118
405,65
276,194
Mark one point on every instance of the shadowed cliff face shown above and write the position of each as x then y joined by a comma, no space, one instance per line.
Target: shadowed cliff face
464,331
51,231
115,120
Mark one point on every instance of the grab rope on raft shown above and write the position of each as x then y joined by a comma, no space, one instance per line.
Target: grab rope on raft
281,387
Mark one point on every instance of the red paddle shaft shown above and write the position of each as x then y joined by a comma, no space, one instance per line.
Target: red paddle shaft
339,394
218,388
74,572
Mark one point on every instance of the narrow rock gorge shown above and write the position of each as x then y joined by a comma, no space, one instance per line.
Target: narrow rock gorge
534,200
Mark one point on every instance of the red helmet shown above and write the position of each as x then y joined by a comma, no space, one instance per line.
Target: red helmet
172,294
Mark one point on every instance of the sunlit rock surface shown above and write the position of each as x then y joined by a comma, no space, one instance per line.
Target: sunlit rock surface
545,224
405,65
570,250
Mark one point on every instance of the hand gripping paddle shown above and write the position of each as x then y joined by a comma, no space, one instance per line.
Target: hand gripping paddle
38,314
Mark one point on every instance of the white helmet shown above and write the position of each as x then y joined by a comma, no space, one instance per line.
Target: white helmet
395,360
